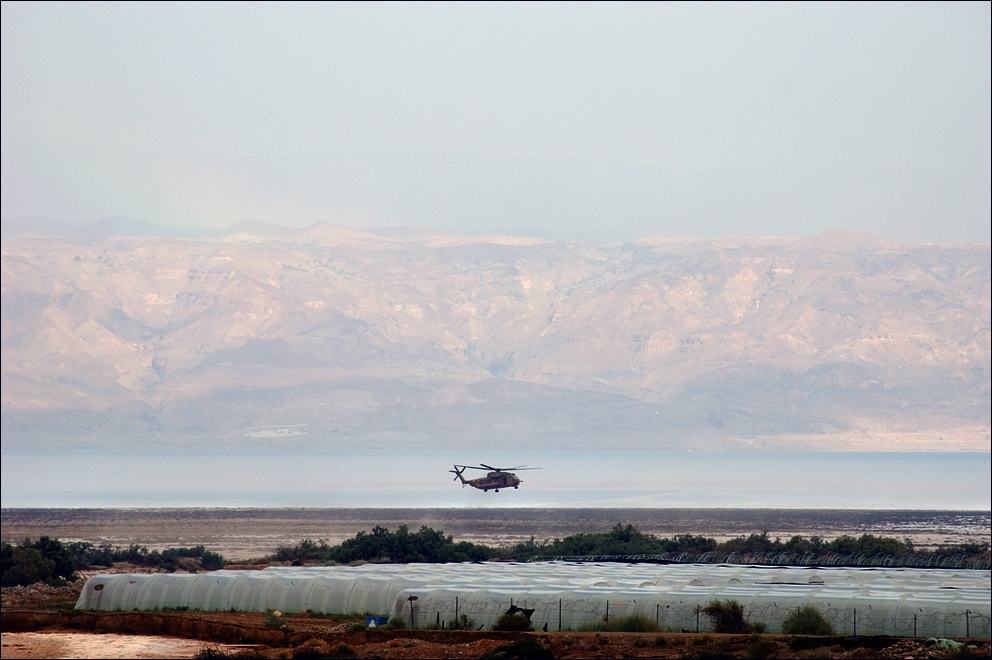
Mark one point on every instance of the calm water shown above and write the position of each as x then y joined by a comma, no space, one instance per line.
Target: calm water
323,478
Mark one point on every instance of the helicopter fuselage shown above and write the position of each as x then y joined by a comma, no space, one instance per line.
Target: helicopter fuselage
496,480
492,481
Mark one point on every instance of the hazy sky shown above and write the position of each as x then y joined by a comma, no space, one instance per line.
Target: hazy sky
578,121
638,479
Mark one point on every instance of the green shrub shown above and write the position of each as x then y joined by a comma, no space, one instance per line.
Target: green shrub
396,623
632,623
513,622
806,620
594,626
463,622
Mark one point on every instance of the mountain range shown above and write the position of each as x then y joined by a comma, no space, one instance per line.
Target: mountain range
127,334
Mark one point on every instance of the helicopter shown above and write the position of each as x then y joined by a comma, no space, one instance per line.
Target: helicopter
496,478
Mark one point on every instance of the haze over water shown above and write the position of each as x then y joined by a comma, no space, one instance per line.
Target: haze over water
420,478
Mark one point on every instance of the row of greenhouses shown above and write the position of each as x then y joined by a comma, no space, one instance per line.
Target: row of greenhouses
857,601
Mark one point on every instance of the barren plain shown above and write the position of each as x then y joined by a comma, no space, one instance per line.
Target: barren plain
241,534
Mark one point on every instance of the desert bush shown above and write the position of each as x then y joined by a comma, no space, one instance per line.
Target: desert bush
806,620
189,564
513,622
528,647
273,619
211,653
337,650
804,643
758,647
727,617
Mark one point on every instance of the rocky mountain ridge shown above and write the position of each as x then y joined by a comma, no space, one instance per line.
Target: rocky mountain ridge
331,336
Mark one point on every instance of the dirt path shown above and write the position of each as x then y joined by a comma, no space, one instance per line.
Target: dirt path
81,645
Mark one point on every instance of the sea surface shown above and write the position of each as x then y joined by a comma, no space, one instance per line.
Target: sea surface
571,478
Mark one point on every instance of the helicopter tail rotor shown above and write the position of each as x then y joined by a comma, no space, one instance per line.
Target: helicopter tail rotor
458,474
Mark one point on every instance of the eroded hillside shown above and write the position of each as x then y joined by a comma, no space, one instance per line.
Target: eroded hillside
338,337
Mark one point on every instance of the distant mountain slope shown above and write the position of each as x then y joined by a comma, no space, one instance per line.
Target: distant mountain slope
430,339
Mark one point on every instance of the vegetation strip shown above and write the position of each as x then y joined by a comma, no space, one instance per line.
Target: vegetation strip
54,562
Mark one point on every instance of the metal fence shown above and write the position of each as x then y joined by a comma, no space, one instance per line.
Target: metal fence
592,614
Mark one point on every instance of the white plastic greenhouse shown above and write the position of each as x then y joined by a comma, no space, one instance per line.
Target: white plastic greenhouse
858,601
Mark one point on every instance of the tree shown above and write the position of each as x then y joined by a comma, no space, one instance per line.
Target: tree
45,560
53,550
27,566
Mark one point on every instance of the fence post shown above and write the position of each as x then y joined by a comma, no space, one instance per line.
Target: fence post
657,614
914,624
607,619
559,615
456,609
967,623
855,623
697,618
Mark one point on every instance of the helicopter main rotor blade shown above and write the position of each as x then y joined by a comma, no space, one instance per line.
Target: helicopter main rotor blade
483,466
